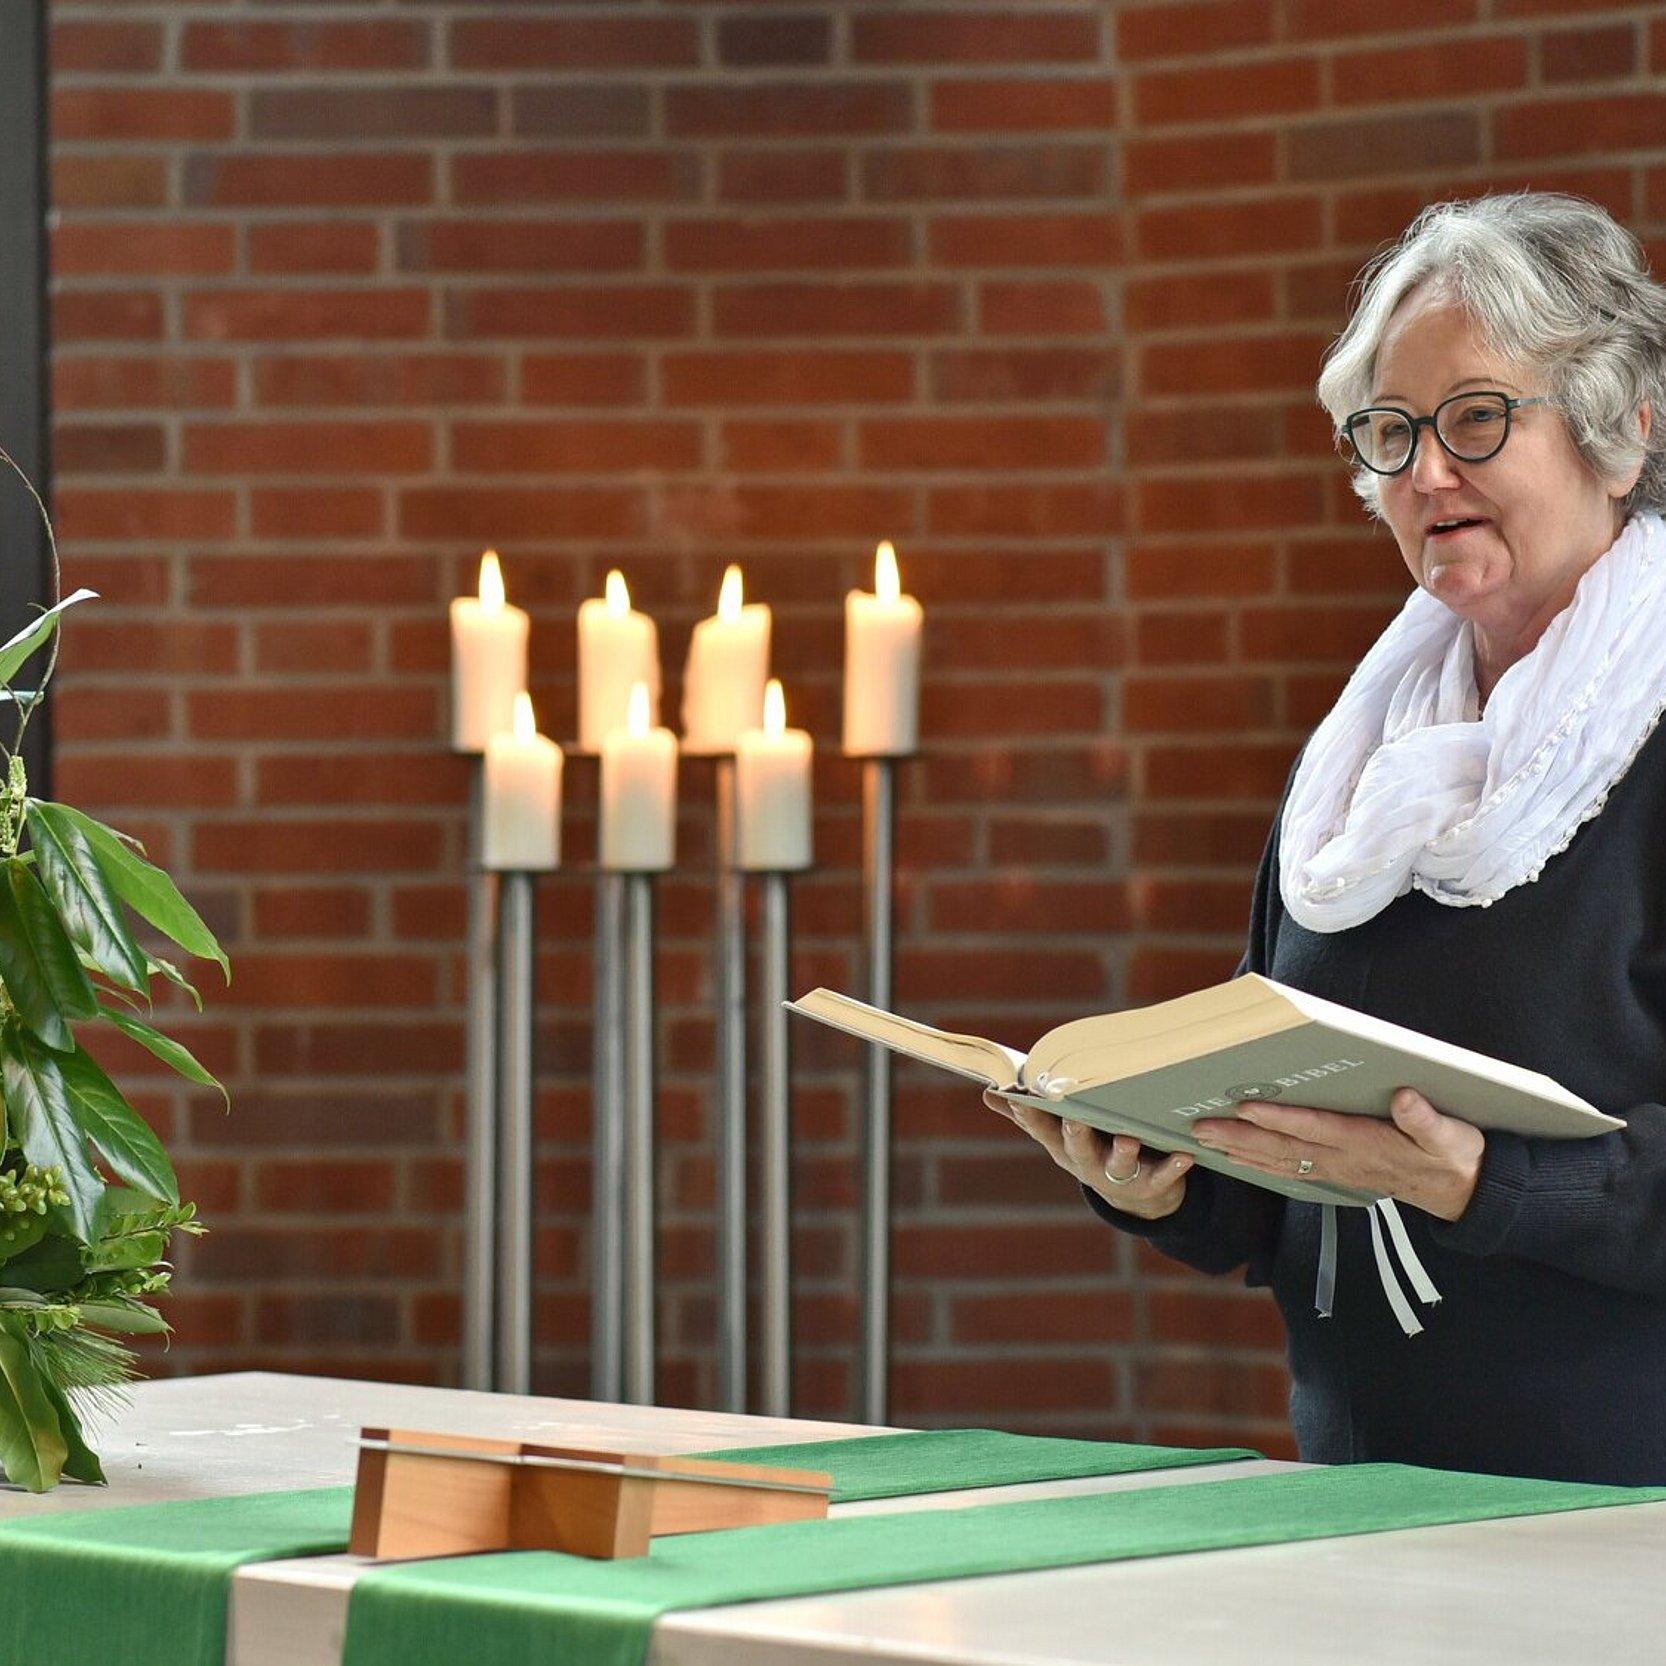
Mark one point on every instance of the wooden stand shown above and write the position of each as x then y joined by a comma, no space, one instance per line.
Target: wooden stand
425,1494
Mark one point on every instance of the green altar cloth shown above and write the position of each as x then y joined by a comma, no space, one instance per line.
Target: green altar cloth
508,1609
147,1586
949,1460
157,1575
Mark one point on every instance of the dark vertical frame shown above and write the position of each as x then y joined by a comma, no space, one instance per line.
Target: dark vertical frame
25,570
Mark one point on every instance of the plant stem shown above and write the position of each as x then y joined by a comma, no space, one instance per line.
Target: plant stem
26,708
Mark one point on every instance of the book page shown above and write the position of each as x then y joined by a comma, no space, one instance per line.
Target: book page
966,1055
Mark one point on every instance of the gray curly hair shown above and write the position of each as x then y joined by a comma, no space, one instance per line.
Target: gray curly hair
1553,282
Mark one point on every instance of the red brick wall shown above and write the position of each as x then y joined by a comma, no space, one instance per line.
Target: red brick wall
346,291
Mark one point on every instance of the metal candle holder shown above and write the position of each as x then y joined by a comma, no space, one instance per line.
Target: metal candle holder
879,802
639,1094
517,1029
775,1142
624,1091
480,1181
730,1101
607,1176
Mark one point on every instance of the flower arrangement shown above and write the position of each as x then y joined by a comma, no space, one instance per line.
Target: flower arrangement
88,1196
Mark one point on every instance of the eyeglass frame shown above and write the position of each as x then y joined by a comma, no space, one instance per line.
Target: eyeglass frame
1431,422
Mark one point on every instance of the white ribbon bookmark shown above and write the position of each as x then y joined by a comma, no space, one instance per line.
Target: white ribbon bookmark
1324,1289
1414,1268
1391,1285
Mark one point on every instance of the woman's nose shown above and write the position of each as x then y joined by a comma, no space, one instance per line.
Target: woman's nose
1431,469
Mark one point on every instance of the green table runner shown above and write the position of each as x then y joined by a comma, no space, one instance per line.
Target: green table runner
950,1460
507,1610
158,1574
147,1586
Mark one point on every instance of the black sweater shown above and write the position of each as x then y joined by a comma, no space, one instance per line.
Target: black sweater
1547,1354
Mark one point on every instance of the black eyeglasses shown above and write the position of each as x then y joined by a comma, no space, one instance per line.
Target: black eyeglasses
1471,427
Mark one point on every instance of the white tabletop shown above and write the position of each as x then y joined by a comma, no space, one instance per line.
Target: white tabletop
1536,1591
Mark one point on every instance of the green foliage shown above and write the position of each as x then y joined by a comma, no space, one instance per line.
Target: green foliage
33,1446
34,636
88,1196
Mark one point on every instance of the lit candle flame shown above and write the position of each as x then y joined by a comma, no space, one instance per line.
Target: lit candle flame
491,583
775,708
729,597
526,721
618,597
886,584
636,712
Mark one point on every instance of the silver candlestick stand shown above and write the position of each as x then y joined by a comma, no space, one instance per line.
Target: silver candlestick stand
775,1140
480,1179
730,1101
879,788
607,1176
639,1088
517,1028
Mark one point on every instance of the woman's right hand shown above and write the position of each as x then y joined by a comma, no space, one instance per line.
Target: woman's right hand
1155,1185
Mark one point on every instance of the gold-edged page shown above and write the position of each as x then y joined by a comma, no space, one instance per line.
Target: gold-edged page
1115,1046
965,1055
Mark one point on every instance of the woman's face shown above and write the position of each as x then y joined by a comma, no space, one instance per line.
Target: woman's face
1534,516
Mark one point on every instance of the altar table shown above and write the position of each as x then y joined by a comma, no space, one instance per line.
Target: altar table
1530,1591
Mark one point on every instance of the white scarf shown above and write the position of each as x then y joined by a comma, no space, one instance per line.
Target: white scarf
1404,786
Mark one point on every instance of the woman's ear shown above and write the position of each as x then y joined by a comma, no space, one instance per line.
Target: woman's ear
1645,423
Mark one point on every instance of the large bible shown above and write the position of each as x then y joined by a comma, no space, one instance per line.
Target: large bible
1153,1071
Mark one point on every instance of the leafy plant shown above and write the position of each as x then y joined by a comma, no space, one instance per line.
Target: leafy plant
88,1196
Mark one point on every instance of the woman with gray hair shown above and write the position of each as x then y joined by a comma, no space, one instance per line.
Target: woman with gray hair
1473,843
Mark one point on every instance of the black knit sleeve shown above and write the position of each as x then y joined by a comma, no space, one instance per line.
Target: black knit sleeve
1594,1208
1222,1224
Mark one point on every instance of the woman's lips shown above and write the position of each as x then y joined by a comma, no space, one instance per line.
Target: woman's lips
1468,524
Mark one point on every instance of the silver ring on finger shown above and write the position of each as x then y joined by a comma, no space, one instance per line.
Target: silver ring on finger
1305,1166
1123,1179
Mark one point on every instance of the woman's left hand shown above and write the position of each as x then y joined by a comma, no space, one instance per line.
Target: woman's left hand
1421,1157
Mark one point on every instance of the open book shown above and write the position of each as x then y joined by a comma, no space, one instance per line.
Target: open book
1153,1071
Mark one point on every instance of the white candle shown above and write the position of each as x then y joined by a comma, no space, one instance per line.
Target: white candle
617,648
522,823
772,791
488,660
882,665
639,793
728,664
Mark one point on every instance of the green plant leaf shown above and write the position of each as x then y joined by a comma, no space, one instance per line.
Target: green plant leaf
169,1051
45,1125
19,1234
55,1263
125,1319
23,975
132,1249
146,889
71,988
35,635
166,969
33,1449
90,910
80,1460
126,1140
